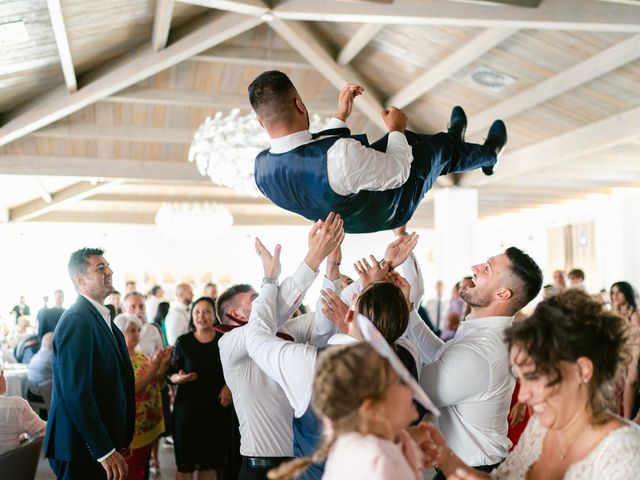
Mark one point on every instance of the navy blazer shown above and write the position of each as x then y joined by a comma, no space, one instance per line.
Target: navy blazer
93,403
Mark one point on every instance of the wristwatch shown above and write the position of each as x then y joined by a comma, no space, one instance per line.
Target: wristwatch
269,281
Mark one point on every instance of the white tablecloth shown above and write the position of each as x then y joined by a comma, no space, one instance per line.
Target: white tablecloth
16,375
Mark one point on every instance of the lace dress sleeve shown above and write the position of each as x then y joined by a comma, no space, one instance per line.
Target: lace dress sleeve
616,458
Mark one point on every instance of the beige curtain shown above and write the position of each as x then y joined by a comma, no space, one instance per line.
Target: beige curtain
572,246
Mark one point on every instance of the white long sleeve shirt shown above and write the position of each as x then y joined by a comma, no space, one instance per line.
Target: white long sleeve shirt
263,410
469,380
351,166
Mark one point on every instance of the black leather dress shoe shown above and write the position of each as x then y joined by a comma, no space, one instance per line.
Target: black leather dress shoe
495,142
458,123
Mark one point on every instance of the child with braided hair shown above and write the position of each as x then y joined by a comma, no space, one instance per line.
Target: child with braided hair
365,409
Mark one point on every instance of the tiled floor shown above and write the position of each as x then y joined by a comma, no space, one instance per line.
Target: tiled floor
167,466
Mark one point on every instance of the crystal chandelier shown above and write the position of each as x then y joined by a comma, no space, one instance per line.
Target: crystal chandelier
194,222
225,147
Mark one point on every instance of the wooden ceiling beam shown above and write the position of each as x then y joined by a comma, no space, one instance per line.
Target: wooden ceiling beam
247,7
301,39
161,24
101,168
190,98
124,72
71,194
580,15
62,42
544,155
85,131
263,57
459,59
358,41
599,64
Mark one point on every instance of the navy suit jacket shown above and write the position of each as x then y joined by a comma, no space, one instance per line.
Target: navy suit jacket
93,403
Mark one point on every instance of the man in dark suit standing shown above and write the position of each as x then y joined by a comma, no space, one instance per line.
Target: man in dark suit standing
92,415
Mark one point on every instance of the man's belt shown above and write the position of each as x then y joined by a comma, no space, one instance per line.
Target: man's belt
264,462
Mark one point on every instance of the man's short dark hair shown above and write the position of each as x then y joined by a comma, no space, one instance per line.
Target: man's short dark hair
210,284
271,94
528,272
79,260
227,296
155,289
576,273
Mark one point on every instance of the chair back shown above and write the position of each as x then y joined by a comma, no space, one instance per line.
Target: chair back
21,463
26,349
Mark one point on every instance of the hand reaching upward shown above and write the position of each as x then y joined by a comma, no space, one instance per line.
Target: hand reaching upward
335,309
270,263
398,251
370,273
324,237
345,100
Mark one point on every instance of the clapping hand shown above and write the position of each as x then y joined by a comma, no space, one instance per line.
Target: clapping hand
324,237
182,377
165,357
398,251
335,309
345,100
270,263
370,273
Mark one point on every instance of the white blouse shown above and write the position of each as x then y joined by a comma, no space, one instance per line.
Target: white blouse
617,456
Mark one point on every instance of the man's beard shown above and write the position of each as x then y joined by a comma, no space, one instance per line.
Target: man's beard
475,299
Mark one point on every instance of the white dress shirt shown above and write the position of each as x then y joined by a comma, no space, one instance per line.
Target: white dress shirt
102,310
150,339
469,380
176,322
291,365
351,166
263,410
17,417
151,307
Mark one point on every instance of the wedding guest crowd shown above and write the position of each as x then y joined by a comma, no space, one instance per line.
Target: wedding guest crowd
242,388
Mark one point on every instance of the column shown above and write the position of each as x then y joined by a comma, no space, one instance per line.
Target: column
455,218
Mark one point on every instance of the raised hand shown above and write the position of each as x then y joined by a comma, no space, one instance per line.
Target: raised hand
345,100
398,251
394,119
324,237
370,273
400,282
270,263
335,309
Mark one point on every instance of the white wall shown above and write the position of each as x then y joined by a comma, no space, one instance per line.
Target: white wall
34,257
